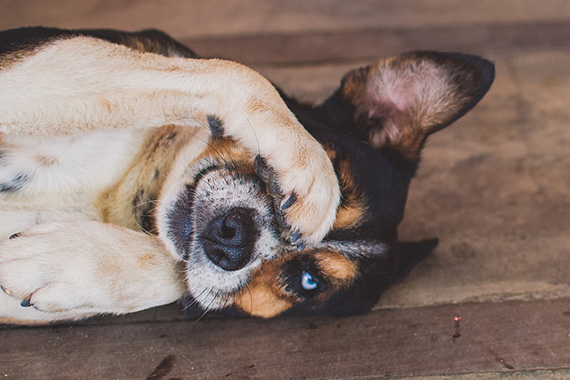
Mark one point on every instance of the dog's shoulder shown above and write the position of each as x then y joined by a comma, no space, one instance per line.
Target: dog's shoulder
17,44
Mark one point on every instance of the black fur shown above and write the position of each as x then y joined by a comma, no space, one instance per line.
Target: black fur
15,184
20,41
379,175
179,221
143,210
216,126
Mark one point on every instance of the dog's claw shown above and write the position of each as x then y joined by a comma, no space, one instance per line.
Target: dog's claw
273,186
26,303
280,203
295,208
5,290
295,238
13,236
301,245
281,221
261,168
267,175
288,201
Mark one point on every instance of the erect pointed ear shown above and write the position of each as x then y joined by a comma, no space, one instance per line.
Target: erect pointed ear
396,103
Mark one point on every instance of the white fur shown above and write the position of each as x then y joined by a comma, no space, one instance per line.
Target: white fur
84,84
84,104
91,270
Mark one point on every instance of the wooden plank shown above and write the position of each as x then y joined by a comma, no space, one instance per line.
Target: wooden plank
506,337
193,18
349,46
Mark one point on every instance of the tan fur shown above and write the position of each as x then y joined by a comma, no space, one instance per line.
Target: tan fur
265,296
47,160
349,215
155,109
352,209
261,301
230,152
187,92
147,174
336,267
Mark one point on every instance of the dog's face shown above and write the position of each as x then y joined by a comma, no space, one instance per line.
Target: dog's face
225,216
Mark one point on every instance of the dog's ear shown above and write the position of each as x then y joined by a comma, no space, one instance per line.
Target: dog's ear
411,254
395,104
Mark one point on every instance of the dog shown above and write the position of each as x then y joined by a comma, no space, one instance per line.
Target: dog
134,174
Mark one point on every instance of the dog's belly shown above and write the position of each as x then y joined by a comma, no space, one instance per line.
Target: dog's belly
59,178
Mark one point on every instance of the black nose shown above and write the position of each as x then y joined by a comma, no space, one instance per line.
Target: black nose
228,239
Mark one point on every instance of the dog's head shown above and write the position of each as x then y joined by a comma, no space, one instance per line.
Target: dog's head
224,217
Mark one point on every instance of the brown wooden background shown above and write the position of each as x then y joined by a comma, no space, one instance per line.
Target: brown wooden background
493,188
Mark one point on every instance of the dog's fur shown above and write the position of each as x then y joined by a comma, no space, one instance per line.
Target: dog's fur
132,172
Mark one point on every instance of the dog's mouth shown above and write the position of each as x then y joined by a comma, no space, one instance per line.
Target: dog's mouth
222,224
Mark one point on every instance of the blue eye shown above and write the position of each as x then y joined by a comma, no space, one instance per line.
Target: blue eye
308,282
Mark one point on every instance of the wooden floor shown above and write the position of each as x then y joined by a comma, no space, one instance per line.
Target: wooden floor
492,301
506,337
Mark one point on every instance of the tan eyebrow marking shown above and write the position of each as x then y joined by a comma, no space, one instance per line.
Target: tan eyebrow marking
336,267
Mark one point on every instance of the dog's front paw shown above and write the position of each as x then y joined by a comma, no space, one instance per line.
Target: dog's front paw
303,179
85,267
48,269
305,190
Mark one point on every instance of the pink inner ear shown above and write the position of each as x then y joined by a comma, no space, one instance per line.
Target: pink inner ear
393,93
386,106
399,97
391,113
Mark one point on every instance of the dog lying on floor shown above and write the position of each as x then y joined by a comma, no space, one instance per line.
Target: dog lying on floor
133,173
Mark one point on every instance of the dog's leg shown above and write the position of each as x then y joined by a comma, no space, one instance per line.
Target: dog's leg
84,83
64,271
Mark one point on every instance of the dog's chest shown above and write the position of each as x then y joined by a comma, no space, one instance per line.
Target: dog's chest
30,166
59,178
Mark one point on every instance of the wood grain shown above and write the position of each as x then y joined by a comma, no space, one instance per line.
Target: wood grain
369,44
195,18
493,189
504,337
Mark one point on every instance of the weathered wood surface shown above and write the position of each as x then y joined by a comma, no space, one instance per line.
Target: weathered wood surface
367,45
196,18
493,189
507,337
